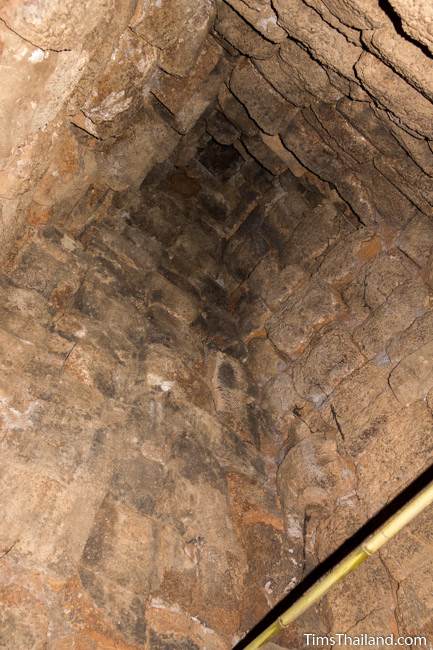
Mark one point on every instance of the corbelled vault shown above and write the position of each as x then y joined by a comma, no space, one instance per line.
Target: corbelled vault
216,316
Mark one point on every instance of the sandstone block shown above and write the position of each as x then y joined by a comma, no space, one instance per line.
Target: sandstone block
303,313
178,301
396,95
221,129
118,94
312,473
277,73
236,112
280,396
316,232
52,75
382,473
308,74
361,419
306,144
263,361
412,379
56,25
269,151
240,34
332,17
177,28
360,14
406,59
384,274
341,261
275,284
325,43
416,240
347,137
265,106
261,15
404,304
328,361
369,588
126,162
186,99
416,17
413,338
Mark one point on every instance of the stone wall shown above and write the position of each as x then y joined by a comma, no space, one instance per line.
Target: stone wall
212,378
94,95
339,89
83,89
139,507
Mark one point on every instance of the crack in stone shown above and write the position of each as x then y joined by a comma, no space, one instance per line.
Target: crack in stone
26,40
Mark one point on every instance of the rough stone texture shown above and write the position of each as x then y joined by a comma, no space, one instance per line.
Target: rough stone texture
168,25
216,315
266,107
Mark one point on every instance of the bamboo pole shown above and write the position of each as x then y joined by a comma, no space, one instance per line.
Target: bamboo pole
361,553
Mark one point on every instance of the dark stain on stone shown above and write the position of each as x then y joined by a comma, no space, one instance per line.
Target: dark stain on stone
198,463
221,160
97,541
182,184
227,375
168,642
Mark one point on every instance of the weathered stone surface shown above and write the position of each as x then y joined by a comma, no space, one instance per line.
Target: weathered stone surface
118,95
395,95
406,303
381,476
416,19
186,99
53,76
221,129
307,72
45,25
261,15
266,107
417,240
412,379
361,419
307,145
367,590
326,364
325,44
276,72
164,350
333,19
236,112
312,474
360,14
348,137
384,275
269,151
240,34
280,396
126,162
275,284
165,25
263,360
292,327
406,59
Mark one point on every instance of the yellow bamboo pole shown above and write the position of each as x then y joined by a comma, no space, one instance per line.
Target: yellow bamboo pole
361,553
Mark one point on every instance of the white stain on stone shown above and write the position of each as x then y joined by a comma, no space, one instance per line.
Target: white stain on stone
13,419
68,243
111,106
37,56
158,382
294,528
